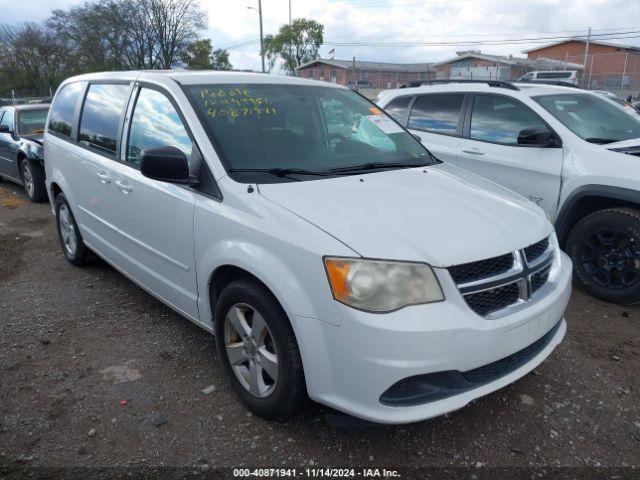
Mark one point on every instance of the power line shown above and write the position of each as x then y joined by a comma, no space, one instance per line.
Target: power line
497,33
502,41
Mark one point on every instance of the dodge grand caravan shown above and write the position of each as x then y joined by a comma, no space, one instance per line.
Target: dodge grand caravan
327,250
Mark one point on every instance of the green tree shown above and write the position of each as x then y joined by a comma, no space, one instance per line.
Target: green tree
294,44
197,56
221,59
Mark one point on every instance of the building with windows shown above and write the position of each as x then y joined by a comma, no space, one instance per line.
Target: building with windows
378,75
473,64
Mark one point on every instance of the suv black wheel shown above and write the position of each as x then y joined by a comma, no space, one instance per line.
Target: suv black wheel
605,249
71,241
32,176
258,350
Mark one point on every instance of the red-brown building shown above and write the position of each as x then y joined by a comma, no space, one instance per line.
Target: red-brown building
608,66
378,75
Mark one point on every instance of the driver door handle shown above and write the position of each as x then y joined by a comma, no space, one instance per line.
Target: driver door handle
104,177
473,151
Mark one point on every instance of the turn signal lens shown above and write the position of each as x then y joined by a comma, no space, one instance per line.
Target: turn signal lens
381,286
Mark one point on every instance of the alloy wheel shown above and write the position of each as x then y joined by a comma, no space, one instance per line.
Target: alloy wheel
251,350
27,179
612,258
67,230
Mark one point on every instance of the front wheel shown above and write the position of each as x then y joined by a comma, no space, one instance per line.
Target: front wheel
259,351
605,249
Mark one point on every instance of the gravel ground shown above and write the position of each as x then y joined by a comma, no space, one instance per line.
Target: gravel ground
95,372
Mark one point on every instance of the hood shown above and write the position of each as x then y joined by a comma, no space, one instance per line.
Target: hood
630,147
443,217
35,138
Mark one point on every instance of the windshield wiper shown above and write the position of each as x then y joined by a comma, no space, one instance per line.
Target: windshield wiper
600,141
376,166
280,172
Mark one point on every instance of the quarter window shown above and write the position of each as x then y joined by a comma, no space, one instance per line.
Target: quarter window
500,119
397,107
101,116
156,123
438,113
64,107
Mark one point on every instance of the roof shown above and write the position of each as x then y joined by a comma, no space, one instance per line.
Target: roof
524,90
583,40
518,61
372,66
28,106
197,77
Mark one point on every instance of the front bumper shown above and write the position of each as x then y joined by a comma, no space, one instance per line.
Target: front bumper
350,366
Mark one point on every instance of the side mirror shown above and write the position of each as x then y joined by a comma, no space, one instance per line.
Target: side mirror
538,137
417,137
167,164
4,129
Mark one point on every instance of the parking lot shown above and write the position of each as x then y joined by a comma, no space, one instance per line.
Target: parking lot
95,372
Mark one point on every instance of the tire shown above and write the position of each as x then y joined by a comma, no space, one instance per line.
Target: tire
32,176
270,399
605,249
69,236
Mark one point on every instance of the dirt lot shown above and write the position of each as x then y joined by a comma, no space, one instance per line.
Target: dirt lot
76,342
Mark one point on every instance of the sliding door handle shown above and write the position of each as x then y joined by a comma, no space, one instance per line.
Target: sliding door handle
104,177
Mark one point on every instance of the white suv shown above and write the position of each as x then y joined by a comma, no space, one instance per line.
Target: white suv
324,247
572,152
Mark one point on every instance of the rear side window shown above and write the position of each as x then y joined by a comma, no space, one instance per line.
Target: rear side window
63,108
397,108
500,119
101,116
437,113
554,75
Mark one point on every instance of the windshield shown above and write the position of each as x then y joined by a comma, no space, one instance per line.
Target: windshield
315,129
31,122
591,117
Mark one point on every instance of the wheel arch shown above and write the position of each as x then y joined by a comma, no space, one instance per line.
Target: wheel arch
589,199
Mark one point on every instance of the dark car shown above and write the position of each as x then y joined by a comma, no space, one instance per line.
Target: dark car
21,153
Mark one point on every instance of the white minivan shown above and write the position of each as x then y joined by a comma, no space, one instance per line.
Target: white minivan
327,250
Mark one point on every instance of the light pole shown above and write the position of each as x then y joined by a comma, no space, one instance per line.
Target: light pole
259,10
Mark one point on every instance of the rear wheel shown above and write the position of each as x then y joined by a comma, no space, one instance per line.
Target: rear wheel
605,249
32,176
70,238
259,351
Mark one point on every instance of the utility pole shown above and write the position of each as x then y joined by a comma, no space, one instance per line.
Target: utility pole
259,10
353,75
586,55
291,45
262,38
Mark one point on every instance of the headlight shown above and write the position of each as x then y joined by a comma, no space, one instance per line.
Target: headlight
381,286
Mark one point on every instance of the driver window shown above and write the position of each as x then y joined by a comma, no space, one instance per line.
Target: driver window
499,119
156,123
7,119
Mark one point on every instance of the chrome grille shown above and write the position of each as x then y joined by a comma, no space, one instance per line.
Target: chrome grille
499,285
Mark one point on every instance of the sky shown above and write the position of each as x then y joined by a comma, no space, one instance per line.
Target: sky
231,23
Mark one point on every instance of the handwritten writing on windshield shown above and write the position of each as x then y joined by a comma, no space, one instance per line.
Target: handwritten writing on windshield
235,102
